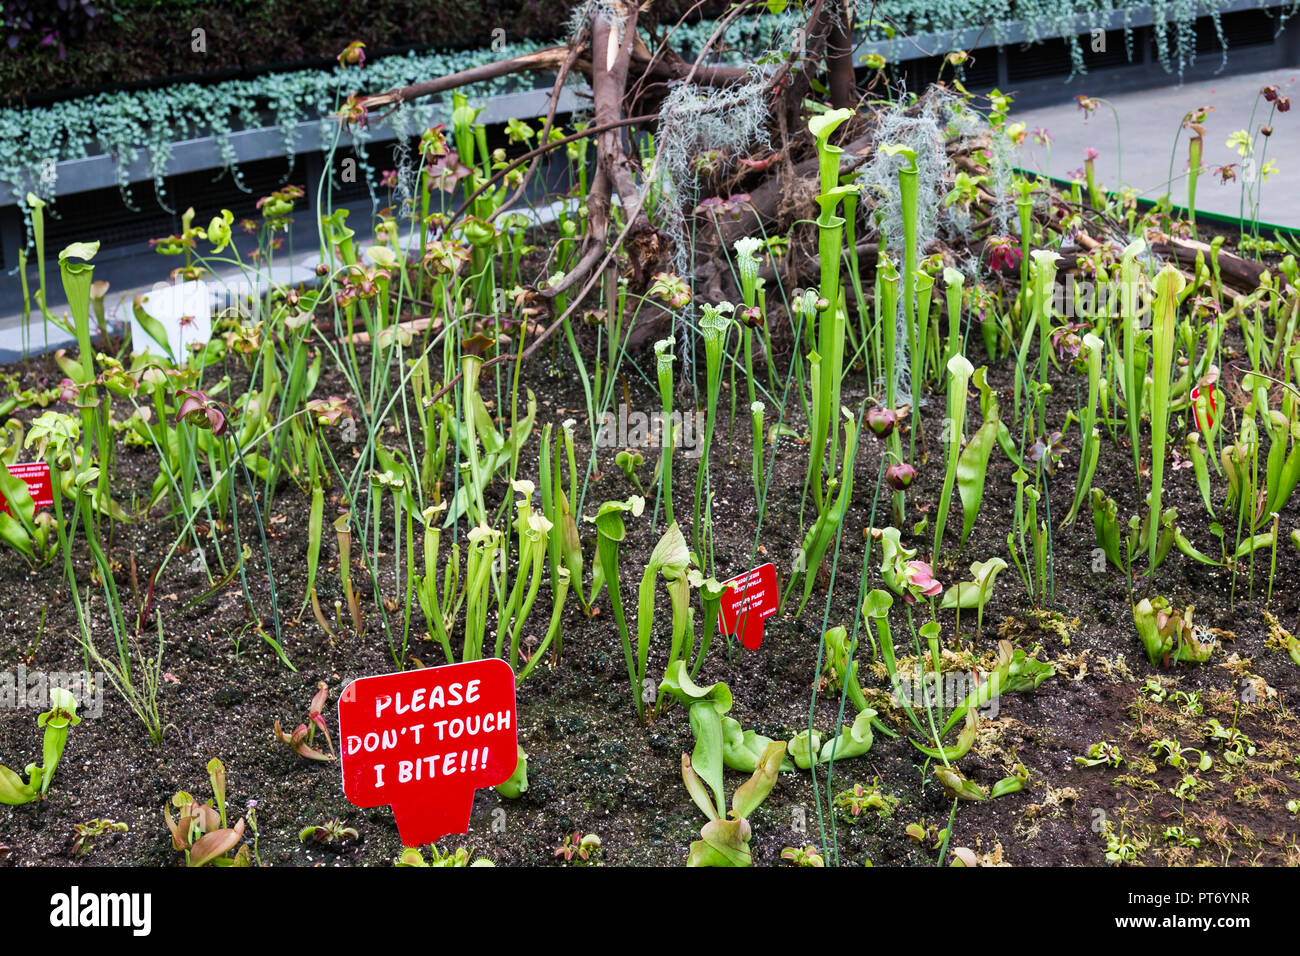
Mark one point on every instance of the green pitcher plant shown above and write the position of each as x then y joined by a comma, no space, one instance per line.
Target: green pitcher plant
56,722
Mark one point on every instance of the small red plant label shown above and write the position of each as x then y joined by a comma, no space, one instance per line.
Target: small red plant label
36,475
750,599
423,741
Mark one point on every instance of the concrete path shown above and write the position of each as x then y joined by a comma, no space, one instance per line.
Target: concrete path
1148,123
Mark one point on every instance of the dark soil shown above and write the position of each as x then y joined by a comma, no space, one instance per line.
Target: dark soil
593,768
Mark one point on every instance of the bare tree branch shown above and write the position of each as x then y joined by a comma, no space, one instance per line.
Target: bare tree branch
550,58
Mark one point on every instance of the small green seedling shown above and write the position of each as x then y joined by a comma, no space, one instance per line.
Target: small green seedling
331,831
201,831
458,857
86,833
580,849
302,739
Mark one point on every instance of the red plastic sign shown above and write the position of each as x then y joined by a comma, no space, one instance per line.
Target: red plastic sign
424,741
36,474
750,599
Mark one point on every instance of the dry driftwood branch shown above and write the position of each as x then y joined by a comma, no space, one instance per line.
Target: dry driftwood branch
1235,271
839,58
623,71
611,60
617,63
550,58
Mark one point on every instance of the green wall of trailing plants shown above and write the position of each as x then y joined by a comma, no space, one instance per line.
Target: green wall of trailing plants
131,123
53,52
1173,22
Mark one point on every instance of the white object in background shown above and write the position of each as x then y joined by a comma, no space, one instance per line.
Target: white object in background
183,309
